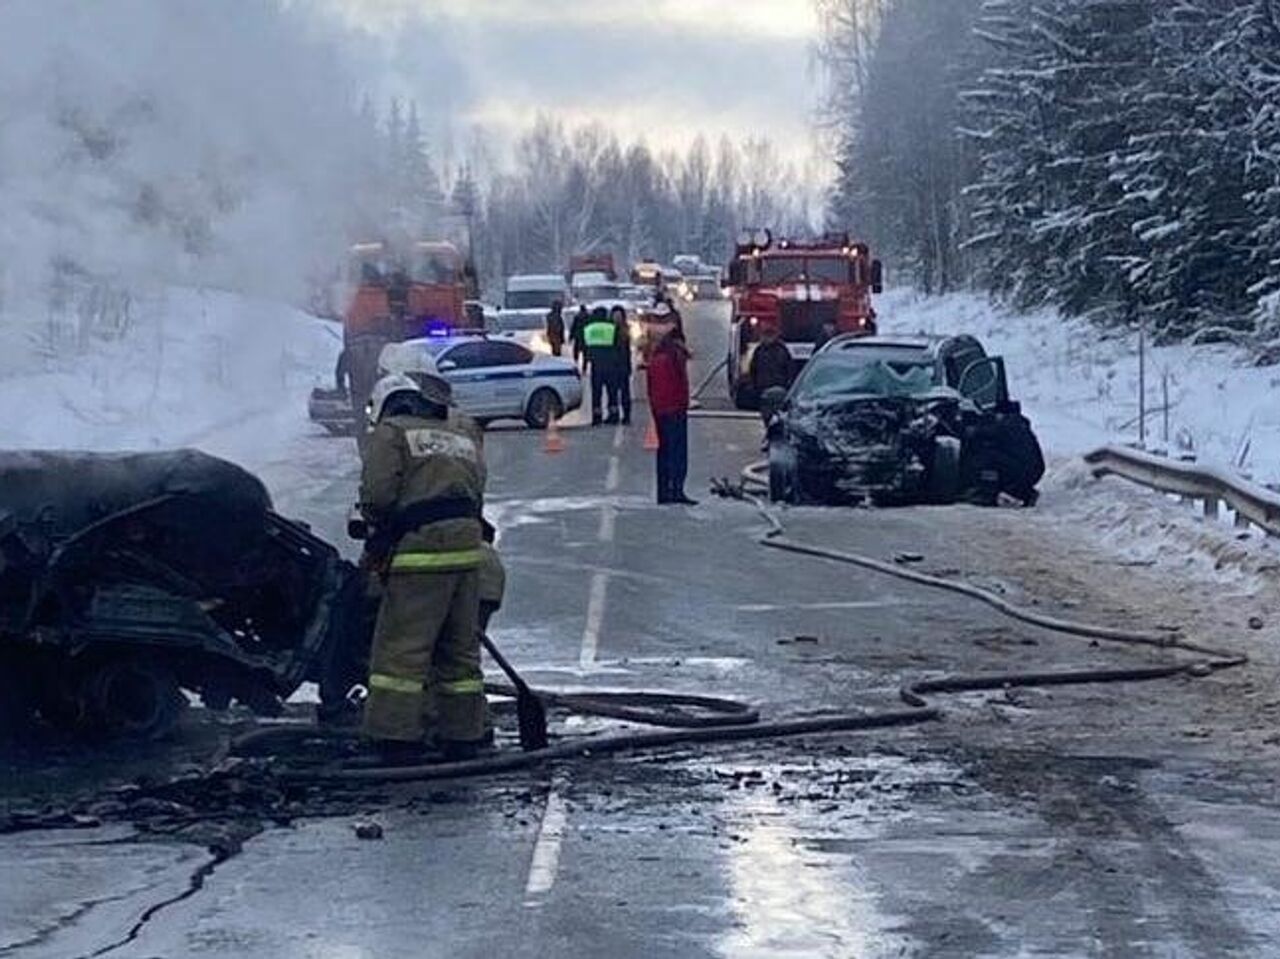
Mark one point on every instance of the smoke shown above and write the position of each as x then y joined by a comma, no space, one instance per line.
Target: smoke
146,143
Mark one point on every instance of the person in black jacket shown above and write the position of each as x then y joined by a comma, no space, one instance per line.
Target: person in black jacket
770,364
622,370
578,336
555,327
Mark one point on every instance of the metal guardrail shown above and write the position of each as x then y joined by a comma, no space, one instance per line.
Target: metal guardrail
1251,503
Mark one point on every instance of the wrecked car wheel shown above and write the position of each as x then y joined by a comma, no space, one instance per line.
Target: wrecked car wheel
132,699
784,473
943,484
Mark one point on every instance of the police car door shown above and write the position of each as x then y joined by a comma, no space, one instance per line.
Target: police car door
510,371
462,366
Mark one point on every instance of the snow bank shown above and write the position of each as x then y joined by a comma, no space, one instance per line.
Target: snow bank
1081,390
223,372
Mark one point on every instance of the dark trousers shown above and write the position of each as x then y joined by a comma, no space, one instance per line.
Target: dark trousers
673,455
624,394
604,382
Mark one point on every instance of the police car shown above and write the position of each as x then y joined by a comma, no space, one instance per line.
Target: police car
492,379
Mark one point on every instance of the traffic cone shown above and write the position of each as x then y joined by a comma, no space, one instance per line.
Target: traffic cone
651,436
553,442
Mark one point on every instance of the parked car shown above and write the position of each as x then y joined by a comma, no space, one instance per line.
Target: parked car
896,420
493,378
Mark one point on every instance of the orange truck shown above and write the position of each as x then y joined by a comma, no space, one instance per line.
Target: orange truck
393,293
807,290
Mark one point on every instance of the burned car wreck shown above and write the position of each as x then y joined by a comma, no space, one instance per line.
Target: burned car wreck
126,579
889,420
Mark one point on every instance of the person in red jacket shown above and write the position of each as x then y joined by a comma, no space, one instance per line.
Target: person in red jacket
668,381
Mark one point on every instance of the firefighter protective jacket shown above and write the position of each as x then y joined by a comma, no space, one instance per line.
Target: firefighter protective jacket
413,459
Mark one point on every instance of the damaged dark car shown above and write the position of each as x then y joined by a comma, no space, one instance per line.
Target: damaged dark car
127,579
898,420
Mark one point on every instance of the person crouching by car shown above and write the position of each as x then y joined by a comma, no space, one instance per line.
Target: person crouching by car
668,382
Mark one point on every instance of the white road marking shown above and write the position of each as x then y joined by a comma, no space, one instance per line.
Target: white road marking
619,437
608,524
595,618
546,850
851,604
614,477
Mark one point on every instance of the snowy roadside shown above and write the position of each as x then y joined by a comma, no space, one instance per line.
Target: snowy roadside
1081,391
218,371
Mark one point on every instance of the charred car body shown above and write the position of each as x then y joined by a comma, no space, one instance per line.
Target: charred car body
900,420
127,578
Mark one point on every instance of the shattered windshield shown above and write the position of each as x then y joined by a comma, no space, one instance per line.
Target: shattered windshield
872,372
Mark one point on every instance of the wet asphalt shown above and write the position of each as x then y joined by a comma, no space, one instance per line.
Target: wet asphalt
1060,824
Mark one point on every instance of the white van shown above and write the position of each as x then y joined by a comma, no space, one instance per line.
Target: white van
526,301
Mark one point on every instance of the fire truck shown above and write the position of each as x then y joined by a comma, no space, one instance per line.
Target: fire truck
798,287
393,292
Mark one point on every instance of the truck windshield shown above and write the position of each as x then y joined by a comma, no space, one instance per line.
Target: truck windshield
532,299
509,322
590,294
809,269
433,268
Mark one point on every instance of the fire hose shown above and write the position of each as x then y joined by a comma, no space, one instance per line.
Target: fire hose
730,721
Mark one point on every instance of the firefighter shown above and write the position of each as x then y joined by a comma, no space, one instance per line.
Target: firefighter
600,337
771,364
555,327
421,491
668,381
622,360
493,577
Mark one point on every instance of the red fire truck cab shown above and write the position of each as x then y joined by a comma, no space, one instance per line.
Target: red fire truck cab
808,290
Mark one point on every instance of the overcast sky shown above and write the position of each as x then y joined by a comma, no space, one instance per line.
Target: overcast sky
663,69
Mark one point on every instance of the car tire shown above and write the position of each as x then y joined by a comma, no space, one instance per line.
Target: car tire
784,474
943,485
544,406
132,698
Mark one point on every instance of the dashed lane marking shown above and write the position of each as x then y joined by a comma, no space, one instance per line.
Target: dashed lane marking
545,863
614,476
595,618
608,524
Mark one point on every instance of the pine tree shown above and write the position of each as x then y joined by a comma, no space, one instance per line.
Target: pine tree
423,198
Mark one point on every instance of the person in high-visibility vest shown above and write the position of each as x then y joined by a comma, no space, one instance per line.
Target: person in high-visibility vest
601,338
421,490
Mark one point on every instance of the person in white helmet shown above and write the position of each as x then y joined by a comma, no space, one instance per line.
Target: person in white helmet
422,491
